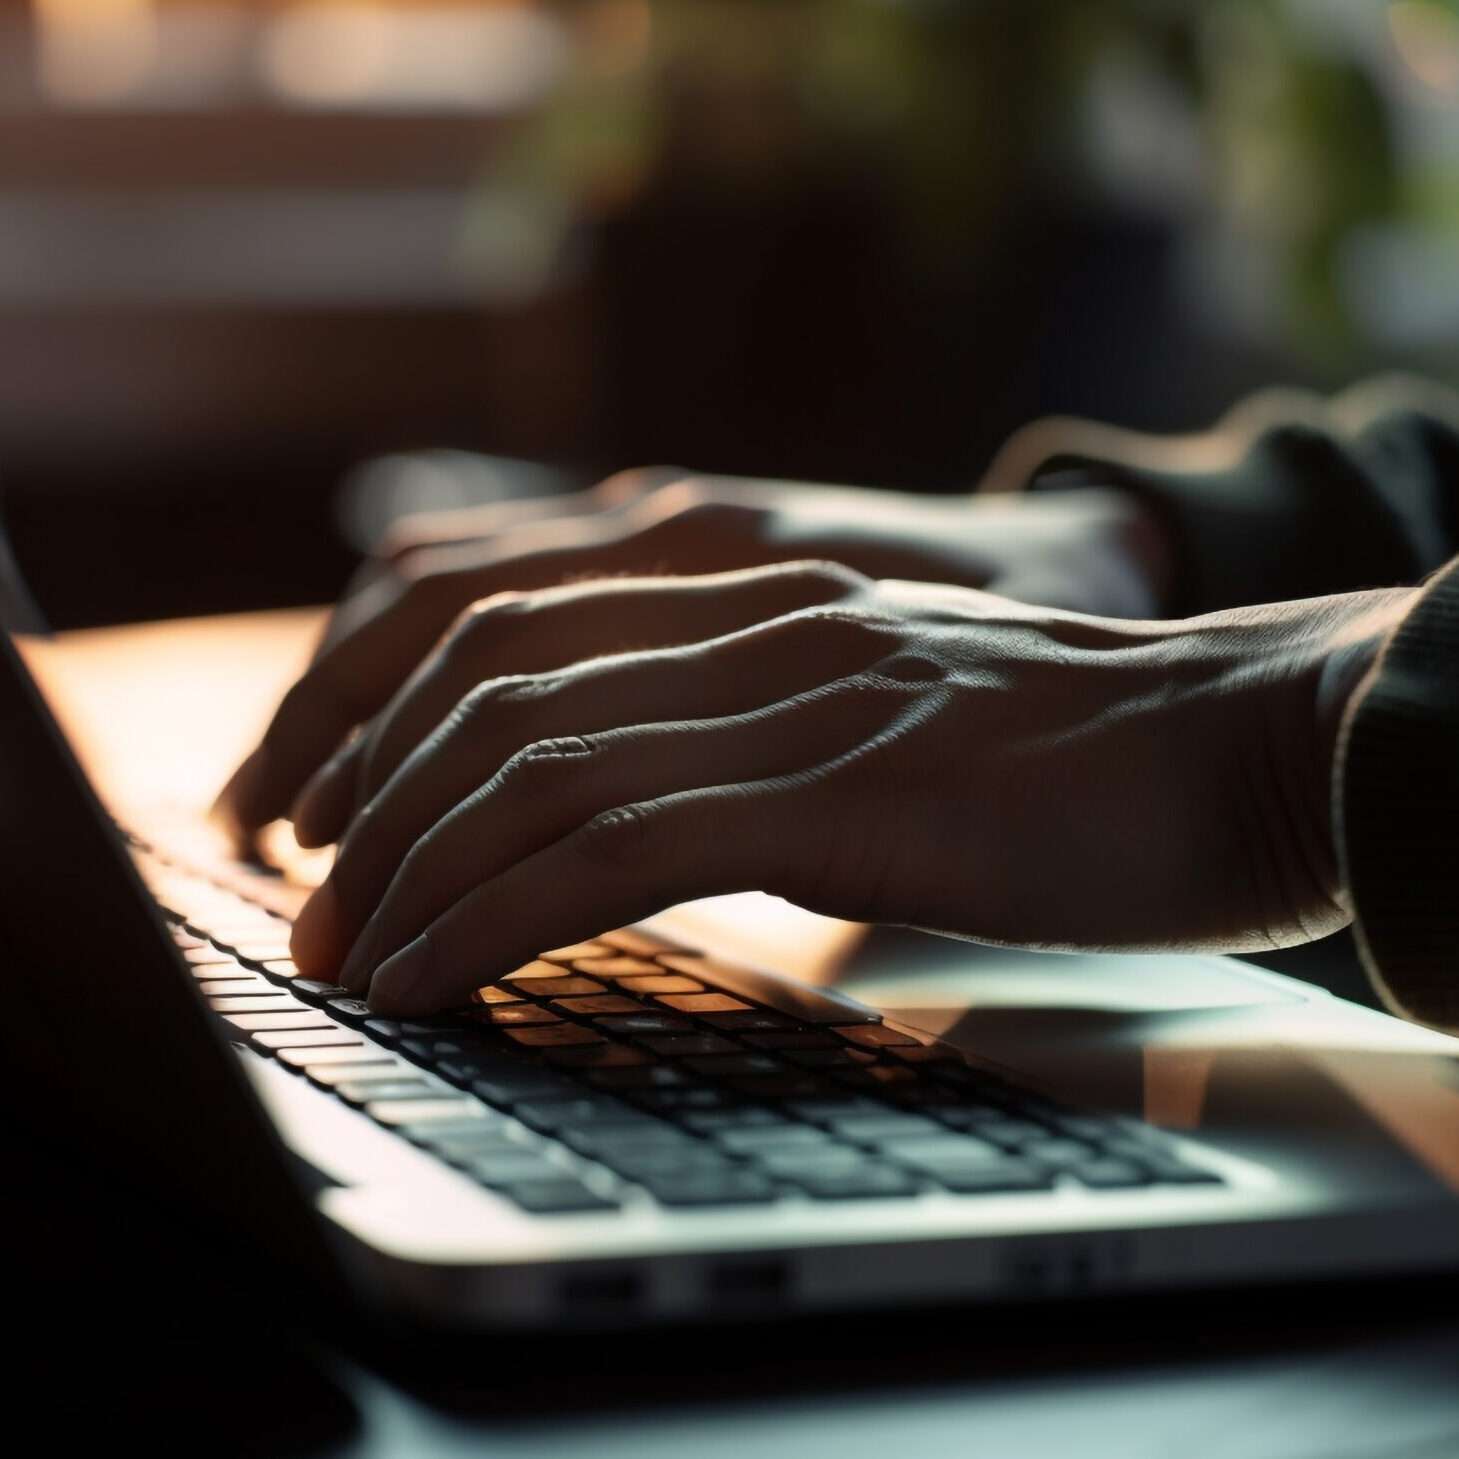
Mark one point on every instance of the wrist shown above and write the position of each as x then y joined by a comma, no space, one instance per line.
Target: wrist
1351,654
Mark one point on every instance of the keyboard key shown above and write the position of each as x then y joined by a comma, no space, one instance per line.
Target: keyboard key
508,1087
733,1117
647,1162
771,1137
262,952
217,972
792,1161
493,994
327,1076
697,1097
509,1014
597,1057
727,1066
300,1018
651,1077
237,987
793,1039
940,1151
577,951
457,1140
554,1114
307,1058
354,1011
923,1054
637,1023
198,956
605,1142
562,985
311,990
994,1125
186,941
821,1111
787,1086
755,1022
864,1182
1058,1153
1171,1170
597,1004
280,967
556,1036
834,1059
678,1046
1109,1174
305,1038
722,1188
874,1129
878,1076
396,1031
799,1001
257,1003
993,1178
507,1167
876,1036
554,1197
704,1003
408,1111
660,983
364,1090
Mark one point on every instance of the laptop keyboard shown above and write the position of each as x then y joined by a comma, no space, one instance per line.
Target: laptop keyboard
627,1068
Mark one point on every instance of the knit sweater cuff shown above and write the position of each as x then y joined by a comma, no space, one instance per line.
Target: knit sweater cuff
1396,784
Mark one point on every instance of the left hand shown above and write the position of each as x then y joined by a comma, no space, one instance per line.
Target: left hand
882,751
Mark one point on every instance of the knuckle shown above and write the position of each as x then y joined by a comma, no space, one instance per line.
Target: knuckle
693,504
542,759
832,581
484,704
616,836
488,618
838,628
634,484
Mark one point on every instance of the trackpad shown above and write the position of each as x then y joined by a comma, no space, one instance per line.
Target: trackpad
903,970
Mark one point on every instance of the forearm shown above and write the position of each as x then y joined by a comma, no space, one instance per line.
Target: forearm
1289,497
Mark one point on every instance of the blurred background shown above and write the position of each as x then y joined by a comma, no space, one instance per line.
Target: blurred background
247,245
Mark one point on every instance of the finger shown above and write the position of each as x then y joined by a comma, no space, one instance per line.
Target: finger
622,865
554,787
357,674
548,630
723,678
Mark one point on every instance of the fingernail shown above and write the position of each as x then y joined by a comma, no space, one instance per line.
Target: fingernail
318,937
362,960
400,981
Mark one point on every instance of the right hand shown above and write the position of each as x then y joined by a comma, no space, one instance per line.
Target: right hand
1088,550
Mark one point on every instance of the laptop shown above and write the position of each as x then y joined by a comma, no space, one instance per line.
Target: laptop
647,1128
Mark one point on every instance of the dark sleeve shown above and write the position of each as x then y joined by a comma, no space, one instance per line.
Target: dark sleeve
1397,809
1359,493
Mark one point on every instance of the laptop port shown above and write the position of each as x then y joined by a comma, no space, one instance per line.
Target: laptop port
757,1280
601,1291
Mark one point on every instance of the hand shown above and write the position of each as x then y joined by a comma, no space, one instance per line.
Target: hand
890,752
1090,550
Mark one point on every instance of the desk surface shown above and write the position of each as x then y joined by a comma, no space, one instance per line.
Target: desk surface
1329,1375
